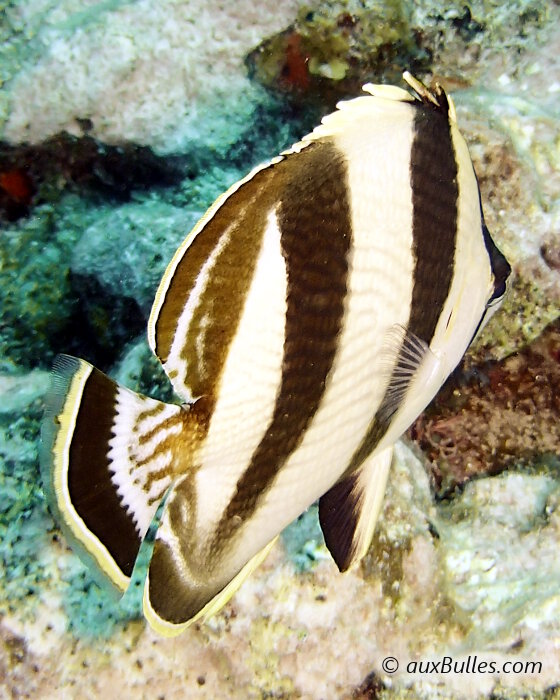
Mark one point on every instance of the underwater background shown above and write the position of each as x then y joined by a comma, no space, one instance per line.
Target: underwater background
120,123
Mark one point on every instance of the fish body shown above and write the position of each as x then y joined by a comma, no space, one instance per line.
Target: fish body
310,316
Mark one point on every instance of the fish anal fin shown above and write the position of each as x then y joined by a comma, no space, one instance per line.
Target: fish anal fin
108,457
175,597
349,510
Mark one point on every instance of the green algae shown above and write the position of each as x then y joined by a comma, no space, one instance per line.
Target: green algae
139,370
34,289
23,516
37,301
127,249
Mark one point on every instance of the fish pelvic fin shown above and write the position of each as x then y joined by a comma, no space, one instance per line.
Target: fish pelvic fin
109,455
349,510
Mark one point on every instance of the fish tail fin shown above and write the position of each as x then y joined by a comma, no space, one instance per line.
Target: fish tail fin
108,457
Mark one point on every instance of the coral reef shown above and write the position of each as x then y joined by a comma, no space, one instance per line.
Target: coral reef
477,575
141,371
127,248
35,298
335,47
23,517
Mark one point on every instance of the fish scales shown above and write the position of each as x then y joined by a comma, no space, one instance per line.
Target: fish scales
308,318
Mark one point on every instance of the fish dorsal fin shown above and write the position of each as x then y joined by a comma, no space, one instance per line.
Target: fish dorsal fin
436,97
381,107
349,510
388,92
389,104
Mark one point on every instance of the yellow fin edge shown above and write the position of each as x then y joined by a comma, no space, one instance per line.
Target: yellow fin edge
66,418
168,629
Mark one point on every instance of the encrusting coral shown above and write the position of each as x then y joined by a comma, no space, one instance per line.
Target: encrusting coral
335,46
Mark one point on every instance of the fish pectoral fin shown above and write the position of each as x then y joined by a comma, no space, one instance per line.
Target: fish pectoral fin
349,510
108,457
414,360
178,592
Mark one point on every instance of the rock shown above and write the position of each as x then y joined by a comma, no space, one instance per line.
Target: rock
161,74
128,248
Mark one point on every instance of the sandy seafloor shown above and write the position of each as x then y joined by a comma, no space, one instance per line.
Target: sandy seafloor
468,576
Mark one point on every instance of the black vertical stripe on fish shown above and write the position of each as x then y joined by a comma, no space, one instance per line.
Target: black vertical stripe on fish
92,491
501,269
313,216
316,230
435,194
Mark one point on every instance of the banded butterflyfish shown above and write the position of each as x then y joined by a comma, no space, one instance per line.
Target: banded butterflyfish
310,316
